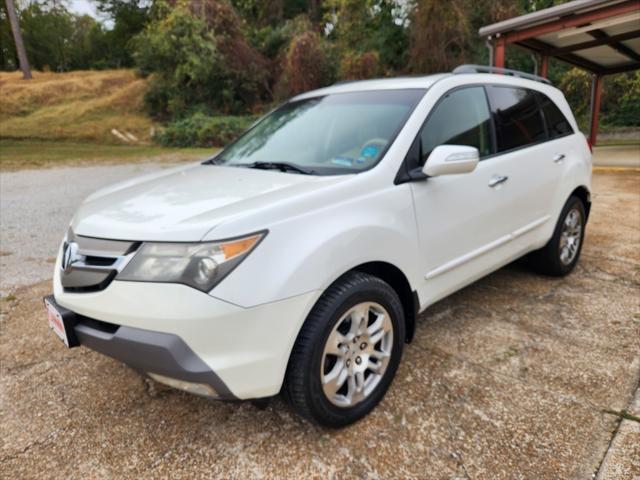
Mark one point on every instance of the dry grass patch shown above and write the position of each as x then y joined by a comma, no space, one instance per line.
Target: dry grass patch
79,106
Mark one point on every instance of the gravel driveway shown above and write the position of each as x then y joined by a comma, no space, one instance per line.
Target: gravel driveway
35,209
516,376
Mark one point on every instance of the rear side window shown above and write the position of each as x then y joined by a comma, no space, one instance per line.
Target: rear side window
461,118
517,116
557,123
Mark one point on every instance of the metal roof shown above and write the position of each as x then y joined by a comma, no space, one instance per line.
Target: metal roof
553,13
602,36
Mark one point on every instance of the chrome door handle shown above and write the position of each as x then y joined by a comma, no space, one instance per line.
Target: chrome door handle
497,180
558,157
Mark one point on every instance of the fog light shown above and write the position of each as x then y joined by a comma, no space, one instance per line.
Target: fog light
191,387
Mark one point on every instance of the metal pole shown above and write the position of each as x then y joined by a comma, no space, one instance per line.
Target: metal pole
489,45
17,38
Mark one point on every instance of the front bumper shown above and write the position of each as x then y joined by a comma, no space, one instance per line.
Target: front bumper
181,333
163,356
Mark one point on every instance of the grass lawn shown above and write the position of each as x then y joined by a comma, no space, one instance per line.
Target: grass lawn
22,154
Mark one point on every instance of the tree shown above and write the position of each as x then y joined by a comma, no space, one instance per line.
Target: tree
198,59
262,13
8,55
48,31
445,34
17,38
90,48
129,19
304,67
368,29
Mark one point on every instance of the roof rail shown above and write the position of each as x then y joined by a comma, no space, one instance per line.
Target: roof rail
342,82
503,71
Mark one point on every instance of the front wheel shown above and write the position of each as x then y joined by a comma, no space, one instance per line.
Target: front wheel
347,351
560,255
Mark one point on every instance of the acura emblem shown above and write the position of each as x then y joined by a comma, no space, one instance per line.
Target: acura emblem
69,256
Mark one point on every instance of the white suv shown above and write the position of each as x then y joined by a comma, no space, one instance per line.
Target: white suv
298,258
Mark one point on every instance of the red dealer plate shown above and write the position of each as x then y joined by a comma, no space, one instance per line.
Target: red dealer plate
56,323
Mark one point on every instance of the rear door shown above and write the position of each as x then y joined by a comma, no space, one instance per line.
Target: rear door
526,157
561,151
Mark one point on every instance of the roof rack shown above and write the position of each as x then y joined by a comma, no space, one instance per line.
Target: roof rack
503,71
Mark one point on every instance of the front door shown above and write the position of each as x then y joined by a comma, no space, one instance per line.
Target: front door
462,219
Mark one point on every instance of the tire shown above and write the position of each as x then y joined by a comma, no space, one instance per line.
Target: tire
557,258
326,345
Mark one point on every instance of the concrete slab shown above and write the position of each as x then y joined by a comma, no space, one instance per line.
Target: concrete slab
623,458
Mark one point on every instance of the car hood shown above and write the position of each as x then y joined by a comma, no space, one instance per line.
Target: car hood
184,204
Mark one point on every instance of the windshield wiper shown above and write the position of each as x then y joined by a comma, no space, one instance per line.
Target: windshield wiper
282,166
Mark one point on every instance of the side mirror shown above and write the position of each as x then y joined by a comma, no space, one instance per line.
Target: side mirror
451,160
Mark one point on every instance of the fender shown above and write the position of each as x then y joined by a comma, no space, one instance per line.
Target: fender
329,247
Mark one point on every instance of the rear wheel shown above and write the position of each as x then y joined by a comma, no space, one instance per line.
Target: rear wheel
347,351
560,255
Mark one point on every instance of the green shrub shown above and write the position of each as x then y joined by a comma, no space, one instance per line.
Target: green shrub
198,59
306,66
621,105
360,66
576,86
620,97
200,130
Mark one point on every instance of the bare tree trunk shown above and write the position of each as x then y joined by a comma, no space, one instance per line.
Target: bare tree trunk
17,37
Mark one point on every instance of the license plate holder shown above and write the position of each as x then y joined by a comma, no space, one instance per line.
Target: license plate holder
61,321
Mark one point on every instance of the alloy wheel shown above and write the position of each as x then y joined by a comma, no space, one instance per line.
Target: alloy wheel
571,236
356,354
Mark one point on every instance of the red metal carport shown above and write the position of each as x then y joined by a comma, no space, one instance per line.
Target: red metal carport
600,36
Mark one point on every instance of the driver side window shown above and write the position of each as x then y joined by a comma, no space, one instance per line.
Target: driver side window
461,118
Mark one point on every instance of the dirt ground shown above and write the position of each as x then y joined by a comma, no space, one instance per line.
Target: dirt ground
516,376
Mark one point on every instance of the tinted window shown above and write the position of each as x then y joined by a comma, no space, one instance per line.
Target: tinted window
461,118
517,115
557,123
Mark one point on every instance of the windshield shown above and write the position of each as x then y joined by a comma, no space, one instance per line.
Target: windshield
333,134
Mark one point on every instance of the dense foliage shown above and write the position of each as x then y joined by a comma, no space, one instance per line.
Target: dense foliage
206,58
199,60
58,40
204,131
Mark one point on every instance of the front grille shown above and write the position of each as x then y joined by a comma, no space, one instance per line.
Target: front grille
99,261
90,264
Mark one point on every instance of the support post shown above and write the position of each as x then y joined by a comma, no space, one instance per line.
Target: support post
544,66
596,95
500,51
17,38
489,45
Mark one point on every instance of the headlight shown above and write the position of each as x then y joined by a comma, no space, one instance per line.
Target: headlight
199,265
